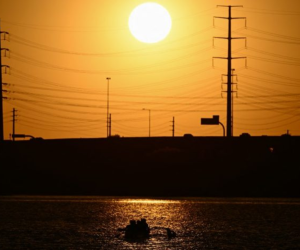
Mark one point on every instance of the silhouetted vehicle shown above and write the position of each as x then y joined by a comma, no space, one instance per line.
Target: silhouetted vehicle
245,135
188,136
115,136
36,139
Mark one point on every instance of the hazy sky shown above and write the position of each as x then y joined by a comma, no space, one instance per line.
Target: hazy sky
62,51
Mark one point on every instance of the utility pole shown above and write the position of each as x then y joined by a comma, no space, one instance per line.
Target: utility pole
1,90
107,115
109,134
173,127
14,120
1,102
232,91
229,128
149,120
232,82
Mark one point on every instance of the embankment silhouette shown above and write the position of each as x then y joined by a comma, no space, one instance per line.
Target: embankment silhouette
158,166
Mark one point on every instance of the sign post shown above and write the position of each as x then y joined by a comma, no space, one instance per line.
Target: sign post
212,121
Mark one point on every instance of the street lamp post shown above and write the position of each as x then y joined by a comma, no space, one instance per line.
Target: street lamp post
107,118
213,121
149,121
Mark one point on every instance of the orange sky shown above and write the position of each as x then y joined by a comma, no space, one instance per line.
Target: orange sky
62,51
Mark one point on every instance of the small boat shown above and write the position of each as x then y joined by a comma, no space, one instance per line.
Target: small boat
139,230
137,235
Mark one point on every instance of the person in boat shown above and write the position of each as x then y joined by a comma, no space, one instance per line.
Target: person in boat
137,229
144,225
132,226
131,229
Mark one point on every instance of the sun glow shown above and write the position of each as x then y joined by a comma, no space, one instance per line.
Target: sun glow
150,23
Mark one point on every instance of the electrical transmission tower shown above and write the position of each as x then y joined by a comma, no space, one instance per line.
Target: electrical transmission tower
229,127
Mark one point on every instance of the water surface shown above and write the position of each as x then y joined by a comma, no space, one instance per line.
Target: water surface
54,222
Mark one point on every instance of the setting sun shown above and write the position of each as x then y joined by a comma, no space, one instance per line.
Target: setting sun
150,23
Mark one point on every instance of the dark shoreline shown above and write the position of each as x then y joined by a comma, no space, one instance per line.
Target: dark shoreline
153,167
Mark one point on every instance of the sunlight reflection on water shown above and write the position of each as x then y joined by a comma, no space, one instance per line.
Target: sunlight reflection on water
148,201
200,223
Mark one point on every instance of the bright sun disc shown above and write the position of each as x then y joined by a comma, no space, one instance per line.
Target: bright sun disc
150,22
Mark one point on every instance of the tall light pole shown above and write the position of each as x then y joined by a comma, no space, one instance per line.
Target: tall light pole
149,121
107,118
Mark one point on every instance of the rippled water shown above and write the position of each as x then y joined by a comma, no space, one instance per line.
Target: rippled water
200,223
